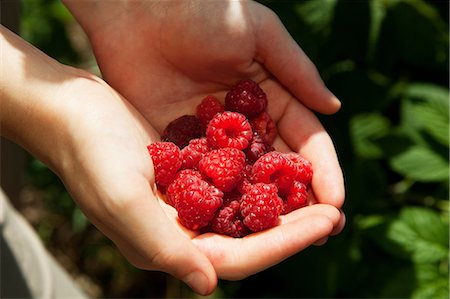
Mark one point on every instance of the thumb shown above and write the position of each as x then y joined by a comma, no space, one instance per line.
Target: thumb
282,56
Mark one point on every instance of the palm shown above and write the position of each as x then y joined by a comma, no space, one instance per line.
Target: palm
165,63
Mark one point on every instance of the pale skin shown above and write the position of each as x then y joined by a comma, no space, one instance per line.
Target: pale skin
94,137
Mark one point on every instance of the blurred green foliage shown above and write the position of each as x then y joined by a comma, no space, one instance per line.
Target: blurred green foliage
387,61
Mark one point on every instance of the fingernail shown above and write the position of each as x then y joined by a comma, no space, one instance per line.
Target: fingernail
198,282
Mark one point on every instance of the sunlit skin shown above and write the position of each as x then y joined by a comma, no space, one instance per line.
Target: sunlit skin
163,58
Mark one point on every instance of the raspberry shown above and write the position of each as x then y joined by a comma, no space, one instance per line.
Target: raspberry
224,167
304,167
228,221
246,97
183,129
209,107
194,152
261,206
297,197
275,168
229,129
195,200
257,148
166,157
265,127
173,196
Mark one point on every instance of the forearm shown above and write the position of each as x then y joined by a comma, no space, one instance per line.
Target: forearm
32,102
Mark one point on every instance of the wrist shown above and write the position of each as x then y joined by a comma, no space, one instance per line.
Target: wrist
34,99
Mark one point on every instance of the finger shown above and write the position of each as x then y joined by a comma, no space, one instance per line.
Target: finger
302,131
341,224
326,210
321,242
235,259
335,215
282,56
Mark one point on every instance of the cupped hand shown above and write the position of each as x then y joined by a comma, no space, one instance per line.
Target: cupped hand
165,56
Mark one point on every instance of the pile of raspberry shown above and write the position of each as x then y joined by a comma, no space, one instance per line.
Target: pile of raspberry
219,170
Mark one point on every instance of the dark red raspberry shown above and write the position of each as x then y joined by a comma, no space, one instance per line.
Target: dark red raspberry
194,152
296,197
209,107
228,221
229,129
304,167
224,167
246,97
274,167
257,148
265,127
195,200
183,129
261,206
166,157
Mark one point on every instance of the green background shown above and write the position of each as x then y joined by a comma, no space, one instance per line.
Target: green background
387,61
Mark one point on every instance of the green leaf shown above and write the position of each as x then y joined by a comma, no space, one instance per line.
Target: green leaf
431,283
421,164
421,233
364,130
318,14
429,110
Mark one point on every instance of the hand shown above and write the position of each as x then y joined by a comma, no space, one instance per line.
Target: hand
96,142
165,56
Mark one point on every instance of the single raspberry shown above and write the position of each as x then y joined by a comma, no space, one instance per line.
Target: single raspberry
166,157
257,148
274,167
183,129
229,129
209,107
305,172
193,152
296,197
265,127
246,97
224,167
228,221
261,206
171,195
195,200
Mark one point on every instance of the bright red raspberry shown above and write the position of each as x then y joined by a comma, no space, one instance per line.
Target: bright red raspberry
172,194
304,167
166,157
265,127
228,221
195,200
261,206
296,197
246,97
194,152
183,129
209,107
274,167
257,148
229,129
224,167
